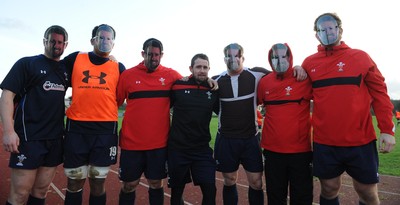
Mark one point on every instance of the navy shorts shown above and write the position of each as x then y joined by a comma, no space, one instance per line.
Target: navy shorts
90,149
133,163
229,153
198,165
35,154
360,162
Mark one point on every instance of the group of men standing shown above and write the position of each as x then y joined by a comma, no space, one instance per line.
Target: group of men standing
336,78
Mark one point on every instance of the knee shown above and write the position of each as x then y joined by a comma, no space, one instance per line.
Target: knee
18,197
330,190
256,184
368,193
75,185
40,192
155,184
97,186
229,179
129,186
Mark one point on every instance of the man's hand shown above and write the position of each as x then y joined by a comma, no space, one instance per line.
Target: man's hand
213,84
10,142
112,58
185,78
299,73
386,143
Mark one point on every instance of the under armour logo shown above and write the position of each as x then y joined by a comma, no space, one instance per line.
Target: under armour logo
43,71
87,76
187,91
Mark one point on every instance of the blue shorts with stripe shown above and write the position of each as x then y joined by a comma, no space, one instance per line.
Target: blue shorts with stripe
360,162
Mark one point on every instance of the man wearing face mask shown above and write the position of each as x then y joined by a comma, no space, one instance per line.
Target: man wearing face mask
92,118
346,83
237,140
286,137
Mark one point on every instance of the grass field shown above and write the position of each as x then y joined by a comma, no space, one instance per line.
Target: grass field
389,163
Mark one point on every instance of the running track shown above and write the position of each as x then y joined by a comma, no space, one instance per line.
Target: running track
389,188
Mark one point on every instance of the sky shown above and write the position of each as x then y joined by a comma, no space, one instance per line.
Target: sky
188,27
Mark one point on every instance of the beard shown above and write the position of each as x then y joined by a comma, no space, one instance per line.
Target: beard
152,65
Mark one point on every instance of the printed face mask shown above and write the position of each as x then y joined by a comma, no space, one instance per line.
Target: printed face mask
327,30
279,58
104,39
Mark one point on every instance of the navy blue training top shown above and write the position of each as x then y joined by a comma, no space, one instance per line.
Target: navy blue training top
40,113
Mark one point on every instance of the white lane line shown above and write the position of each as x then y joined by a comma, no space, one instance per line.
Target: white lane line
59,192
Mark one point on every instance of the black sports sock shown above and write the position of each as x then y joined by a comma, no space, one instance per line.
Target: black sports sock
324,201
230,195
97,200
35,201
156,196
209,193
256,196
176,195
73,198
127,198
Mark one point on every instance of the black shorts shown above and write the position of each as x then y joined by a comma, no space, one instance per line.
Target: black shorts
360,162
288,173
229,153
90,149
133,163
198,165
35,154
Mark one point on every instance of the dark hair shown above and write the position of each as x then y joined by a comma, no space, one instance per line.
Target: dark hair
333,15
103,27
234,46
58,30
153,43
201,56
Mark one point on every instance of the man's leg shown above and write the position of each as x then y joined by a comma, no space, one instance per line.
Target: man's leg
44,177
229,193
127,194
97,191
368,193
209,193
21,183
156,192
176,195
255,193
330,191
